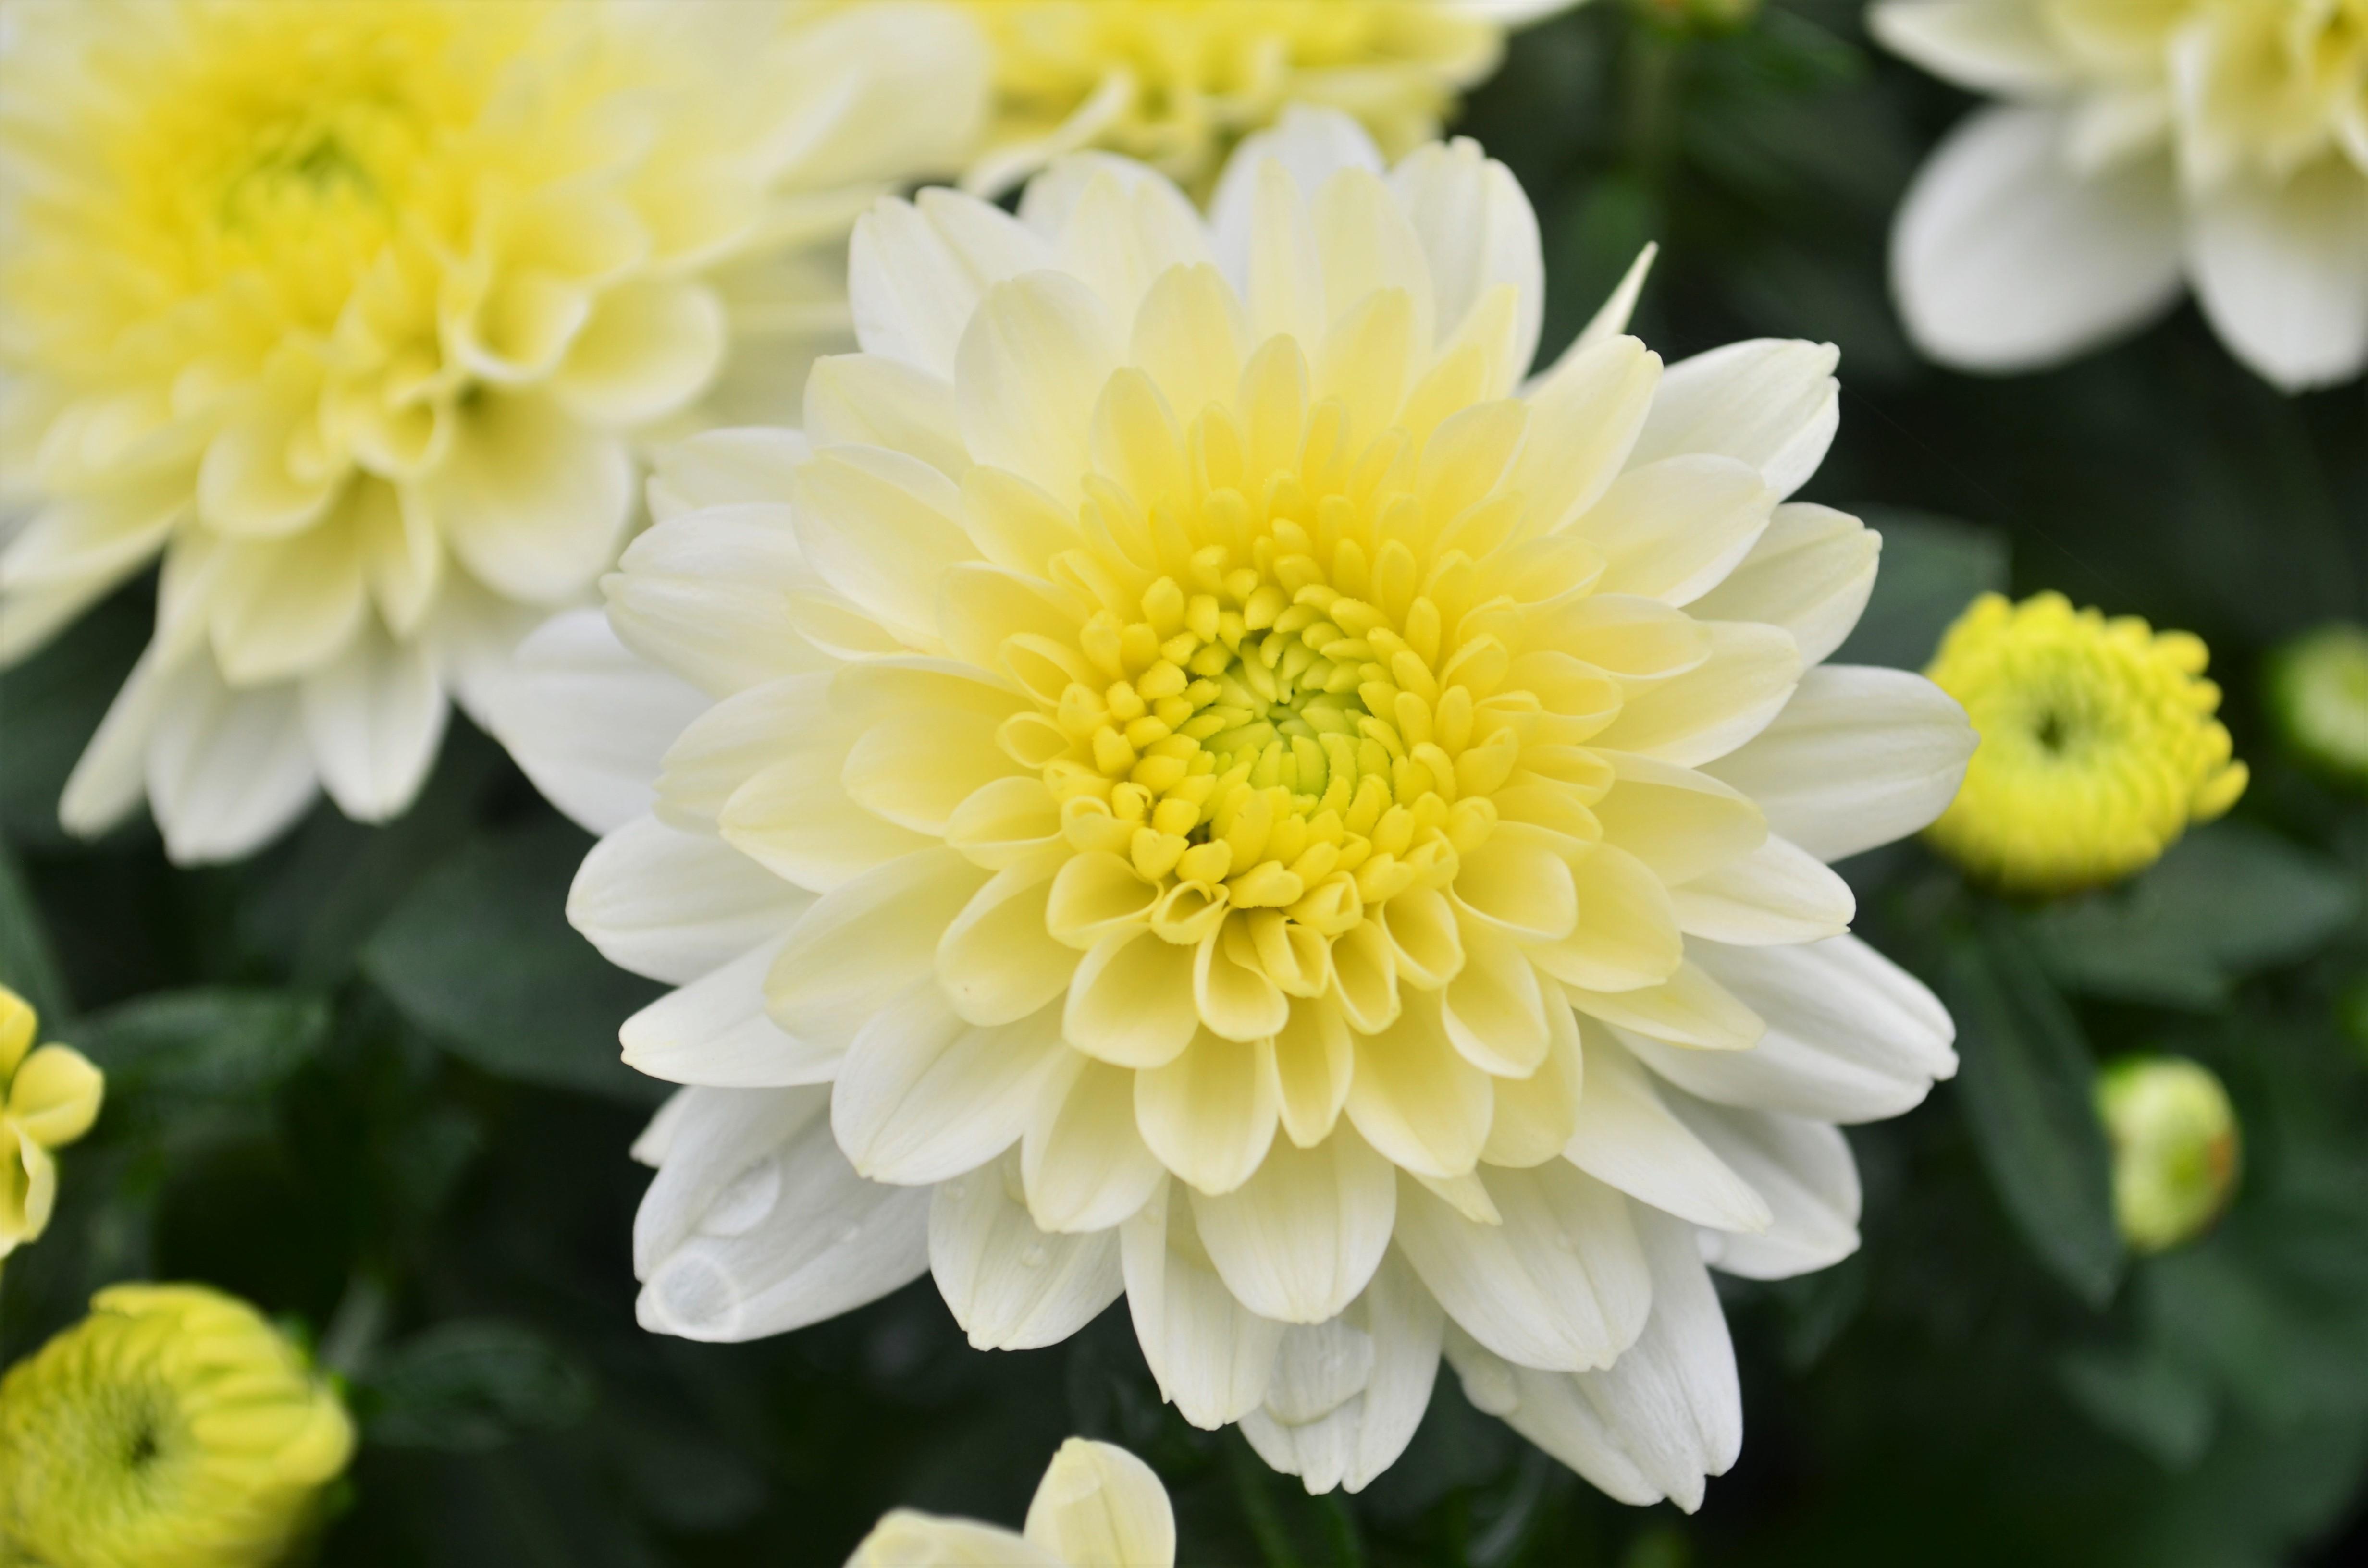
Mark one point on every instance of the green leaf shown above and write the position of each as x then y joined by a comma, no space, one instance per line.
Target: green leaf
2025,1083
211,1043
467,1387
2148,1400
2225,901
28,964
1931,569
480,954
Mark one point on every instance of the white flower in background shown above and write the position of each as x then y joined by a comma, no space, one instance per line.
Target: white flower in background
1098,1506
1190,780
1176,83
353,312
2148,146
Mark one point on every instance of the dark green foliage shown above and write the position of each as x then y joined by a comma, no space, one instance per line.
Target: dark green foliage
370,1078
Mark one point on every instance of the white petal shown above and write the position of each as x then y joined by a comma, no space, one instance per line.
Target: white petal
1082,1163
2002,258
1211,1353
1099,1504
531,501
1810,574
709,598
904,1538
1628,1138
757,1224
1347,1395
1805,1170
1772,403
722,468
1851,1036
1031,366
918,270
865,942
1995,46
881,528
869,399
1858,757
227,770
1478,231
374,718
650,348
1311,145
1560,1283
110,777
1549,1410
673,905
588,719
2281,272
1672,529
714,1031
1011,1286
1673,1402
1300,1239
923,1096
1694,719
1778,893
1584,418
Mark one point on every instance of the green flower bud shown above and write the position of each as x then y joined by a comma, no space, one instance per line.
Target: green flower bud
49,1098
172,1428
2318,696
2174,1140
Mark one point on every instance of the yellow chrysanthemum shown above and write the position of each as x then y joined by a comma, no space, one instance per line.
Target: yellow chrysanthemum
2175,1148
172,1428
1098,1506
1175,778
2225,141
2098,744
49,1099
354,311
1178,82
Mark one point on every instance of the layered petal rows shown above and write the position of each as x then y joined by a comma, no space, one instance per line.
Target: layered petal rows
1192,779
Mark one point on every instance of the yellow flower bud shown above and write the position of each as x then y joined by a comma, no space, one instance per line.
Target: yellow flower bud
2174,1140
49,1098
173,1427
2098,749
2318,696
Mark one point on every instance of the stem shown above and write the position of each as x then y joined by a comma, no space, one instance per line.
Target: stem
1258,1506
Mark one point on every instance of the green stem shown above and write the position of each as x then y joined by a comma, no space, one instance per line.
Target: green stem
1258,1506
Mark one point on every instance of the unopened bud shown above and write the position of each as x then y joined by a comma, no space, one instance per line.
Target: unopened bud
2174,1142
2318,696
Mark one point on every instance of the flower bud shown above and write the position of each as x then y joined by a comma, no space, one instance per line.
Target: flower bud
2318,699
2174,1144
173,1427
49,1098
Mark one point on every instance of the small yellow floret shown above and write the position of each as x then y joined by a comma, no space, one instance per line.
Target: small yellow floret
2098,744
48,1098
172,1426
1176,83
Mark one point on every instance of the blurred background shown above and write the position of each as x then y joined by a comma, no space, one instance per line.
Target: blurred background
369,1078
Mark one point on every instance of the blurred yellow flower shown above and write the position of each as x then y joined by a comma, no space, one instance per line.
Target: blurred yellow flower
355,313
172,1428
48,1098
1098,1506
2174,1140
2318,696
2098,744
1176,83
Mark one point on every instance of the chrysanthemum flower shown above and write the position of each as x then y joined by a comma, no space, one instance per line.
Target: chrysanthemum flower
1096,1507
2098,744
2221,143
49,1099
353,310
1176,83
1204,786
172,1428
2174,1139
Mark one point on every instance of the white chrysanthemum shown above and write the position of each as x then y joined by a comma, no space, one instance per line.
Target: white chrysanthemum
2222,144
353,312
1098,1506
1189,779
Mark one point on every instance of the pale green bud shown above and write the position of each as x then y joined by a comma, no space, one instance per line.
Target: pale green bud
2174,1140
2318,695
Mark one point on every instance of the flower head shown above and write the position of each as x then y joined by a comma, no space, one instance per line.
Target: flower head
172,1428
2174,1141
49,1099
1178,82
2318,695
1175,779
353,312
2224,141
1098,1506
2098,744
